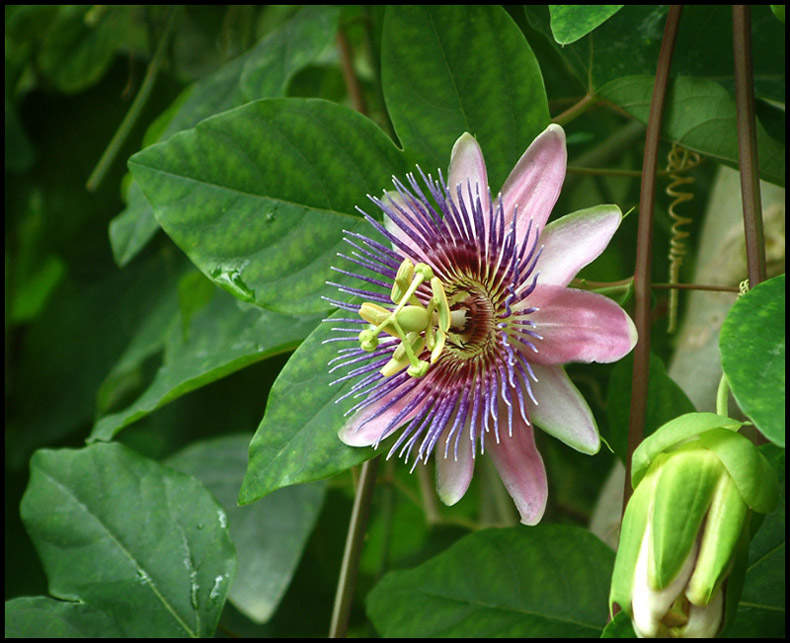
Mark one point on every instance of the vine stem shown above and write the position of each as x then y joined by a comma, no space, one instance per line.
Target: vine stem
349,77
119,138
586,283
354,540
363,497
575,111
747,144
668,286
644,247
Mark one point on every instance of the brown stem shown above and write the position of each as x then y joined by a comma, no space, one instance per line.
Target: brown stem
352,82
644,247
587,283
696,287
353,550
747,144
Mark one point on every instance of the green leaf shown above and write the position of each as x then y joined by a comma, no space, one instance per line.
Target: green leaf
700,115
81,43
258,197
129,538
127,375
292,47
263,72
501,583
269,536
450,69
43,617
629,42
761,611
81,332
30,296
752,345
569,22
665,401
297,438
223,338
619,628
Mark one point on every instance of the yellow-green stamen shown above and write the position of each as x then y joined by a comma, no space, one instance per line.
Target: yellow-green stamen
409,320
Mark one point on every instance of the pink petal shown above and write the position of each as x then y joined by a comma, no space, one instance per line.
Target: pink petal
397,203
454,475
573,241
578,326
521,469
535,182
359,432
562,411
467,168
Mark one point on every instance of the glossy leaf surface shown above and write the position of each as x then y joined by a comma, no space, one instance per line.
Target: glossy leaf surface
450,69
263,72
220,339
258,197
269,536
501,583
752,344
571,22
297,441
108,524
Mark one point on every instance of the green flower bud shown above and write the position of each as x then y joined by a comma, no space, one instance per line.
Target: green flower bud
368,340
696,480
419,369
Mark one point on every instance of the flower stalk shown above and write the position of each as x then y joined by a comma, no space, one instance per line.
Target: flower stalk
644,247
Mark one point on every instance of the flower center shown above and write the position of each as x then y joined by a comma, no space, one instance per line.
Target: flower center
478,332
417,326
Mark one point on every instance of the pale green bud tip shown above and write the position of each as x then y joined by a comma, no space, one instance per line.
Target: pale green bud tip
368,340
425,270
419,369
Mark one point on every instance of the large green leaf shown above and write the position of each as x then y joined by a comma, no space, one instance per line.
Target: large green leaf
297,438
222,338
569,22
269,536
140,550
258,197
546,581
450,69
263,72
752,344
700,115
665,401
